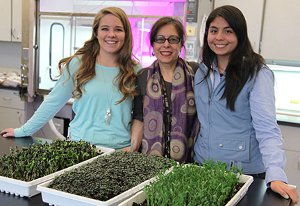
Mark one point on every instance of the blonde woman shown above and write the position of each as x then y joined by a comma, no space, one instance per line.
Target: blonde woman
100,77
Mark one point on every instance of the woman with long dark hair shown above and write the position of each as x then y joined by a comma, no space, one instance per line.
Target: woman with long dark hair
234,94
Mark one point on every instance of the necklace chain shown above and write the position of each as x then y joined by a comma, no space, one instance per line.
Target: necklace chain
109,99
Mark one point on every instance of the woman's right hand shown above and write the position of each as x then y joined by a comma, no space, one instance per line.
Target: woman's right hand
9,132
285,191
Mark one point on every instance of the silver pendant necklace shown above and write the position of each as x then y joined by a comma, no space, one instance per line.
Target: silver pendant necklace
107,116
108,113
109,99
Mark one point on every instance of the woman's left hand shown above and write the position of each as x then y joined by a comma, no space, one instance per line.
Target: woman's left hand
127,149
285,191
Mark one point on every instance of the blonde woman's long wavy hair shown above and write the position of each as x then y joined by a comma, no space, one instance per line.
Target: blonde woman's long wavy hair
126,77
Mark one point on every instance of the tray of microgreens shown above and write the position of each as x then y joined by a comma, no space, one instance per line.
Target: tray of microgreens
106,181
24,168
210,184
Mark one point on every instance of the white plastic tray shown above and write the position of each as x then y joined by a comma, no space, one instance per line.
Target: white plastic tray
140,196
247,180
29,189
60,198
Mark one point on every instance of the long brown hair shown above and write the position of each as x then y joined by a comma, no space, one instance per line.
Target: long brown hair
126,77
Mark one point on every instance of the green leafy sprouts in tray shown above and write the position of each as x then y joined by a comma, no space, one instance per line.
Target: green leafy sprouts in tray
39,160
210,184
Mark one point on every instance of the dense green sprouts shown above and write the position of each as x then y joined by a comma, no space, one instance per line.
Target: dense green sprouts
193,185
39,160
110,175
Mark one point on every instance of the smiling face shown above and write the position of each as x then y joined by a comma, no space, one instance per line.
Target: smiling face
110,34
221,38
167,53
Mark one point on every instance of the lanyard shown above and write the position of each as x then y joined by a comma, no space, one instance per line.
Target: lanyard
167,115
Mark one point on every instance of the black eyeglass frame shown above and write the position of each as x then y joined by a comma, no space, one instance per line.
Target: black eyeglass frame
160,39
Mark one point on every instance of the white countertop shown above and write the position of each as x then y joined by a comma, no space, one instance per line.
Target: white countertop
10,77
5,69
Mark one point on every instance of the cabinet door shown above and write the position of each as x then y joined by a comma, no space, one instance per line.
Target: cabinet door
280,39
292,151
11,118
254,22
11,99
292,168
16,22
5,20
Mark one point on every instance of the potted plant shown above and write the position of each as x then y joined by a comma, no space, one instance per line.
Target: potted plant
210,184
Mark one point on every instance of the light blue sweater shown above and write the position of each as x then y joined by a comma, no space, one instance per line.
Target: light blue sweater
89,121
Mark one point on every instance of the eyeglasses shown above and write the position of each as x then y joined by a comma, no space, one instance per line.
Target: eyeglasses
172,39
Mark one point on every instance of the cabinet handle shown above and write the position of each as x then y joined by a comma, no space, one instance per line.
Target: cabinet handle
6,98
14,35
20,117
299,164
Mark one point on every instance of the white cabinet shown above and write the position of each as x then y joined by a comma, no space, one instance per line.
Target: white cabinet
5,20
12,109
11,20
16,22
271,26
280,33
254,22
292,150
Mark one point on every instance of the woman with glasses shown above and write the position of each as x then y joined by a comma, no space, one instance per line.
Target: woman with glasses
164,111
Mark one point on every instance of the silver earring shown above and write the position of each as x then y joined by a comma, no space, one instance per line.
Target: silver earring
153,54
